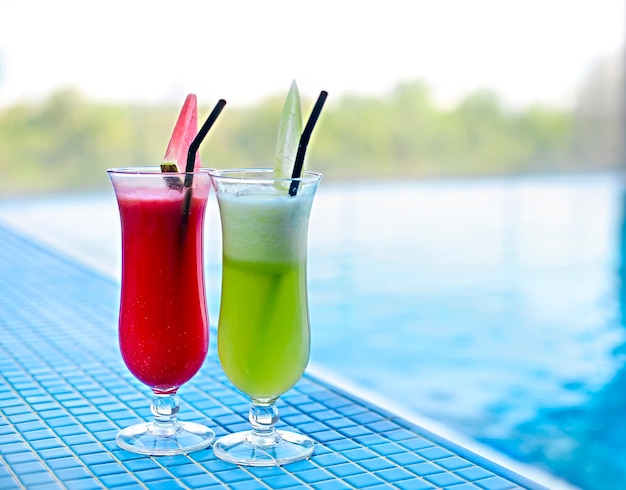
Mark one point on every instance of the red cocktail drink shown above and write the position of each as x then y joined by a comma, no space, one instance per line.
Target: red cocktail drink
163,325
163,321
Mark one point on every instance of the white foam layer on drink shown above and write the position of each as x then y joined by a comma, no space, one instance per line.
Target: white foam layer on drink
154,186
270,227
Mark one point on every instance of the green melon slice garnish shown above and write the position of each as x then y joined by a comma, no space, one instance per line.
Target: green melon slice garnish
289,131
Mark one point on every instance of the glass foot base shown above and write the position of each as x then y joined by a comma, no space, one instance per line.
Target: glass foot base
147,439
288,447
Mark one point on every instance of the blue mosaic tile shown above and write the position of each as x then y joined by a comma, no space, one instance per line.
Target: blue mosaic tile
474,473
136,464
376,464
37,480
444,479
232,475
29,467
23,457
495,483
44,444
383,426
282,481
249,485
346,469
204,480
416,443
323,436
434,453
65,392
424,469
104,469
58,452
417,485
367,417
74,473
453,463
354,431
359,454
405,458
297,419
62,463
151,476
328,415
331,485
182,471
330,459
214,465
395,474
8,482
333,419
363,480
315,475
387,449
371,440
464,486
351,410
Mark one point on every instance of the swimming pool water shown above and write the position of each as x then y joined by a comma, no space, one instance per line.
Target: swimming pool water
494,306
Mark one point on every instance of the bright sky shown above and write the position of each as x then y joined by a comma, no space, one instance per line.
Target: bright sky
153,50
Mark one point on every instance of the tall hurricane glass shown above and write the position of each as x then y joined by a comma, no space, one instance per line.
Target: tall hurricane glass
263,328
163,319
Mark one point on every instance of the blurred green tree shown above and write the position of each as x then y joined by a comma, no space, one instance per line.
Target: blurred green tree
67,142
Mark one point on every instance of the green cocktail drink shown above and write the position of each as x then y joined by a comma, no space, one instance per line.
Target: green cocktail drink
263,329
264,324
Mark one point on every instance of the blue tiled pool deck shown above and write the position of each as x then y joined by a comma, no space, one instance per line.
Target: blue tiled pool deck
65,392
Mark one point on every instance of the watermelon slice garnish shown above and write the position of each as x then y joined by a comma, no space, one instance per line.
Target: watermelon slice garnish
185,131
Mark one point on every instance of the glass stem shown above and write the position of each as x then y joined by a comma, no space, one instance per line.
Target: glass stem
263,417
165,408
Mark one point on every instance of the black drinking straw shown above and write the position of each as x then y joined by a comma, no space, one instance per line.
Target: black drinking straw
304,141
195,144
191,154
